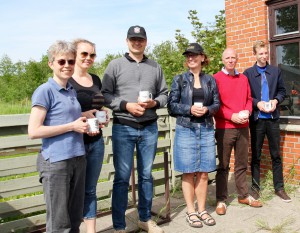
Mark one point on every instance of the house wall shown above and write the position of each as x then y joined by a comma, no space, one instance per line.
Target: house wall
247,22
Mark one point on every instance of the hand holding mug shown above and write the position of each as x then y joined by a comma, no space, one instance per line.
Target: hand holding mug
144,96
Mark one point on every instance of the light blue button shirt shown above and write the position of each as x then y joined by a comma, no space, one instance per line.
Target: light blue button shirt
62,108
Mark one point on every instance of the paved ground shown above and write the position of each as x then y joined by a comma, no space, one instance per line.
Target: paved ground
275,215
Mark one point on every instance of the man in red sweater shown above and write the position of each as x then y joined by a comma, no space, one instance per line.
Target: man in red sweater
232,131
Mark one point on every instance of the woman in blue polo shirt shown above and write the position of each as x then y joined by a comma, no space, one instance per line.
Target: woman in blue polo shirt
56,118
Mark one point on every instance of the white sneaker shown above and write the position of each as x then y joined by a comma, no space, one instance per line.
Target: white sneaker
150,226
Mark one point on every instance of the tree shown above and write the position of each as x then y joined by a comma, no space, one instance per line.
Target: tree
99,68
212,38
169,57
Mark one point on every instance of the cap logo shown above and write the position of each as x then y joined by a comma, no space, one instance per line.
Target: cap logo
137,30
191,47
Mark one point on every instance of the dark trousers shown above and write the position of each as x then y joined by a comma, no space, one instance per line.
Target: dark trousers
227,139
63,184
258,130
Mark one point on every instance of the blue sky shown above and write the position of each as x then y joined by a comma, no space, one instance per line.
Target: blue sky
29,27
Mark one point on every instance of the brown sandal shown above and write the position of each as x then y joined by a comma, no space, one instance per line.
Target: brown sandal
209,221
193,222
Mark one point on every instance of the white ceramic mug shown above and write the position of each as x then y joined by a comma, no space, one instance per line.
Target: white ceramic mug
268,106
199,104
243,114
93,124
144,96
101,116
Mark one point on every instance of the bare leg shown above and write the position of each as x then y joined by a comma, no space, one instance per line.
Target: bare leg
201,193
201,189
90,225
188,189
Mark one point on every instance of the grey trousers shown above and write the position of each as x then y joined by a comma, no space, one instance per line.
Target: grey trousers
63,184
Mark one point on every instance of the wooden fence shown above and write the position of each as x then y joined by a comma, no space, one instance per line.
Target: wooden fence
22,206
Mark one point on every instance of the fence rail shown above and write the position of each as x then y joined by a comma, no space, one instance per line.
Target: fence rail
22,206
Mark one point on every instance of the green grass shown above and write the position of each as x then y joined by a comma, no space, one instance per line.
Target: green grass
15,108
17,155
11,177
267,188
282,227
5,199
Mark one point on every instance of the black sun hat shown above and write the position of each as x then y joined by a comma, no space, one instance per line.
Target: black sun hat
194,48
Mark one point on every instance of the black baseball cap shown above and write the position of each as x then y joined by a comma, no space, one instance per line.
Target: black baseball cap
194,48
136,31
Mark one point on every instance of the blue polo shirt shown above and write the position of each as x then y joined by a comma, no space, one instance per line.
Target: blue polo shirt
62,108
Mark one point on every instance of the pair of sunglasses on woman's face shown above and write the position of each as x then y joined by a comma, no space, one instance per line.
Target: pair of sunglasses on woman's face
62,62
71,62
86,54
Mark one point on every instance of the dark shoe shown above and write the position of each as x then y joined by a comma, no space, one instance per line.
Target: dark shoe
282,194
209,220
221,208
250,201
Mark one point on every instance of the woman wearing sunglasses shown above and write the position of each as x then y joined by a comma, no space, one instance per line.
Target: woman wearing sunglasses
88,88
193,100
56,118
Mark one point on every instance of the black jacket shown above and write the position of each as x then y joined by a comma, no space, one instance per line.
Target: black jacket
276,87
181,98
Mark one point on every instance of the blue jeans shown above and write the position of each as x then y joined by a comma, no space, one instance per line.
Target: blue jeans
124,140
63,185
94,159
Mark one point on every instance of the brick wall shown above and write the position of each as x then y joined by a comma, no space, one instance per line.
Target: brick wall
246,22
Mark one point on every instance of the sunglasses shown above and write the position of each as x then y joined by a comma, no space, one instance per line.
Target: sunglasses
192,55
86,54
62,62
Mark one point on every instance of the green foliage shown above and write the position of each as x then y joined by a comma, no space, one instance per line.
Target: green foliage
212,38
170,59
19,80
108,58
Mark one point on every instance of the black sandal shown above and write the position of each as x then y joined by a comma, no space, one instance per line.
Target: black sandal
209,221
193,222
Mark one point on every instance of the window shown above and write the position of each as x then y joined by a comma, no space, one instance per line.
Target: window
284,33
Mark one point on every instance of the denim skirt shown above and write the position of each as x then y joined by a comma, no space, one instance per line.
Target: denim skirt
194,149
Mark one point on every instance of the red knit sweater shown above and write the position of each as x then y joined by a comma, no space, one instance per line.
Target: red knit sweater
235,95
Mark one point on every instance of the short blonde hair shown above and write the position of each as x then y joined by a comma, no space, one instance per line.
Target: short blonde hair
60,47
257,45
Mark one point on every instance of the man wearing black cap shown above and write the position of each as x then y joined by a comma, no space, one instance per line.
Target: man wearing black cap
134,125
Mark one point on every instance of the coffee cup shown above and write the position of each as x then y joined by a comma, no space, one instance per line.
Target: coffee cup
145,96
243,114
101,116
198,104
93,124
268,106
